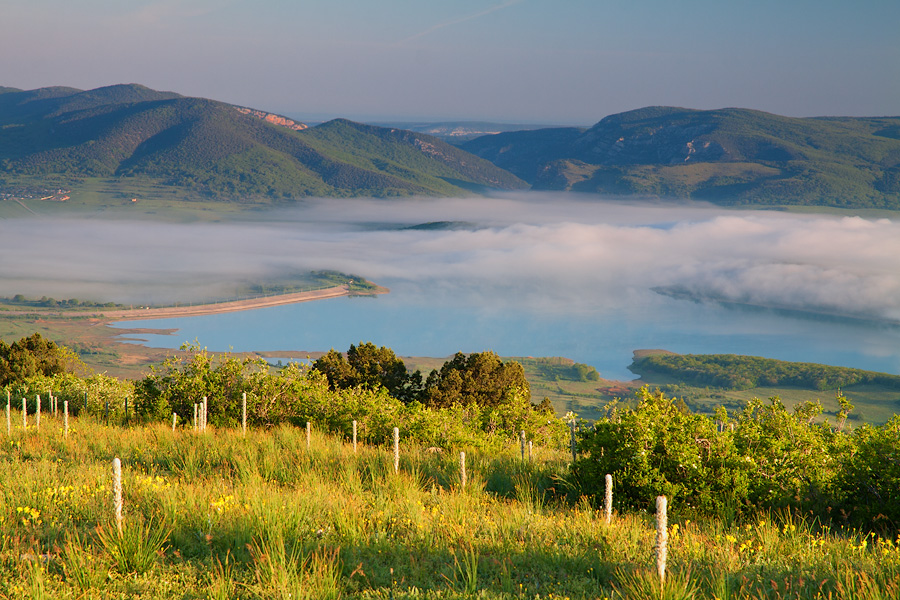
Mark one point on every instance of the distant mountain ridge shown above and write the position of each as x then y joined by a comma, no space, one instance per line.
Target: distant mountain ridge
222,150
729,156
457,132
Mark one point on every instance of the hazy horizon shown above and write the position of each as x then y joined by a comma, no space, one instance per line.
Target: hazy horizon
526,61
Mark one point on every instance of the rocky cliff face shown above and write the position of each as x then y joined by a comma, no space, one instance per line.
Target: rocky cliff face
273,118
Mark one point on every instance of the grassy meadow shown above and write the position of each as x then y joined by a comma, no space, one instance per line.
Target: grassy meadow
121,198
217,514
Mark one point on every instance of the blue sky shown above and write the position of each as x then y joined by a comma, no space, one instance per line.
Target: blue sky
544,61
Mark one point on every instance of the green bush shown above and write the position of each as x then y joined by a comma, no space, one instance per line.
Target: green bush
790,458
870,475
768,457
660,449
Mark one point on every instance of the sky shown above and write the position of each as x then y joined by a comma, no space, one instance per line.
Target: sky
534,61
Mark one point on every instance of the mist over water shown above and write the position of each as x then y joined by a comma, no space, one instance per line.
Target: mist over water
559,259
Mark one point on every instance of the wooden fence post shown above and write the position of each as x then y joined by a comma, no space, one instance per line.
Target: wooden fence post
396,450
662,537
572,439
462,470
117,492
607,500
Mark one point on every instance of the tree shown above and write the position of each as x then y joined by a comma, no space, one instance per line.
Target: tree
479,378
371,367
32,356
338,371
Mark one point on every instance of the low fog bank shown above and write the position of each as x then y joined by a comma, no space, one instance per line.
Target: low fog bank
545,251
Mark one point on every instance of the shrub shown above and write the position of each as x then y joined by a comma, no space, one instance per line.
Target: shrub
660,449
768,457
869,476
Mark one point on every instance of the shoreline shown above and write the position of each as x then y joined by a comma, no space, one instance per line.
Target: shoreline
134,314
121,351
192,310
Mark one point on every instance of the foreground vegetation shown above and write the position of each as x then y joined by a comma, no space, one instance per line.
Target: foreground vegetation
217,514
767,503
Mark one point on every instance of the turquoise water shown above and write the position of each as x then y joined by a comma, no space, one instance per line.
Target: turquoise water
419,322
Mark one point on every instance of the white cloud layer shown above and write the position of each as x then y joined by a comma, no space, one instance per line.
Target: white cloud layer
542,250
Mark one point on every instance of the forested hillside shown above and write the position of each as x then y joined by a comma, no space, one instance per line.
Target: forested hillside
212,148
728,156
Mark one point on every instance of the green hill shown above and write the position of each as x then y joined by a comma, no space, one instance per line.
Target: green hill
728,156
209,147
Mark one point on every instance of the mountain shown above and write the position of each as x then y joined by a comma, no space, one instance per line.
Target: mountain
222,150
728,156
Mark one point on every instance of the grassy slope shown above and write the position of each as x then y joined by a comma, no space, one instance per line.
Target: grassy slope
422,158
263,516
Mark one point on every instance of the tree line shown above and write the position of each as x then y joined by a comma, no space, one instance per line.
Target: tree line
481,378
474,400
747,372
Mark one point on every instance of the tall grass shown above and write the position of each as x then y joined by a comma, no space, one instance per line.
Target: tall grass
229,515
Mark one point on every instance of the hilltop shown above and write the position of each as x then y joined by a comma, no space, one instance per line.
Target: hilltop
728,156
133,138
221,150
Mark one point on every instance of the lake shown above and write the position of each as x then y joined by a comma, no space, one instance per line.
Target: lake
418,325
524,275
579,283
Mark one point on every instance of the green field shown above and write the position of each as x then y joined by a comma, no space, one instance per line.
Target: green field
220,515
111,198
